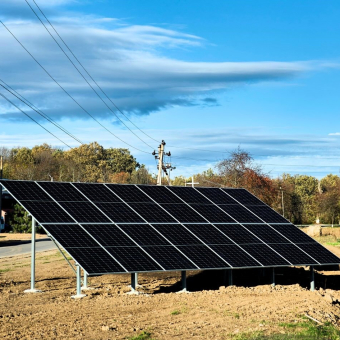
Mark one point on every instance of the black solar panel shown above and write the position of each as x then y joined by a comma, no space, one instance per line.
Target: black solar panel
170,258
240,214
216,195
177,234
208,234
203,257
212,213
235,256
71,235
183,213
151,212
95,260
243,196
189,195
97,192
294,234
26,191
267,214
237,233
144,234
109,235
134,259
293,254
110,228
119,212
84,212
47,212
319,253
266,233
160,194
129,193
62,191
265,255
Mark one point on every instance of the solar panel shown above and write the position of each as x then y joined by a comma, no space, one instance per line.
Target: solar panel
144,234
239,213
62,192
208,233
109,235
97,192
216,195
170,258
110,228
183,213
212,213
129,193
204,257
243,196
134,259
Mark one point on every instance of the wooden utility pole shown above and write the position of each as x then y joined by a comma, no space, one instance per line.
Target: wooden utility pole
161,166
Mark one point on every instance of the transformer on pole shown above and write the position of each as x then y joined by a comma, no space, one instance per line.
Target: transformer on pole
162,167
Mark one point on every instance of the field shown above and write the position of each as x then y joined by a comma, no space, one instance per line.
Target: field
252,309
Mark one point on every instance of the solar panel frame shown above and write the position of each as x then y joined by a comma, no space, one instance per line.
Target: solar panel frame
56,198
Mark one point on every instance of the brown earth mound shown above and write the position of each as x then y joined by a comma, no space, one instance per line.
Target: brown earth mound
210,311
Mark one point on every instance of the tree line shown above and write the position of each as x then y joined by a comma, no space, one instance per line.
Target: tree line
300,198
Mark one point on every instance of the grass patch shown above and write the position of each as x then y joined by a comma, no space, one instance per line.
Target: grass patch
302,330
142,336
5,270
175,312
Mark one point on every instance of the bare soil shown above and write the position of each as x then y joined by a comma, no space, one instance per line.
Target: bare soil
209,311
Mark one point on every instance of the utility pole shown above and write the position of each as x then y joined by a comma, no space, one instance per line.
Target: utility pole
161,166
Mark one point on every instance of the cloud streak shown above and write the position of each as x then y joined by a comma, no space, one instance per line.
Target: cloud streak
129,61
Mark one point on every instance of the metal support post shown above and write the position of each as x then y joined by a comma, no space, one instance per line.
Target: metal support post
134,284
273,277
230,277
32,289
79,294
184,281
84,286
134,279
312,282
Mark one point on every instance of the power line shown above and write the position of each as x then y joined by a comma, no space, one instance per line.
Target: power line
2,95
87,73
41,113
69,93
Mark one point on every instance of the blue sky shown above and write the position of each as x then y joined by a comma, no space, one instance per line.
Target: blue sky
207,75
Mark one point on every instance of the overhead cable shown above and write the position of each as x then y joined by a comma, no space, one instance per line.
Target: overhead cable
41,113
69,93
26,114
87,74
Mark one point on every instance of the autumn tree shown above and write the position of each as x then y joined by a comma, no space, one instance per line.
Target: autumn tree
328,201
240,171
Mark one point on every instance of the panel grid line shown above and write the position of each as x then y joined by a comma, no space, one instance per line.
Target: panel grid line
219,229
153,229
270,227
81,227
117,226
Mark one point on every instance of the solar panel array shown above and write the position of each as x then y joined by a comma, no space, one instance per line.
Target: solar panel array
111,228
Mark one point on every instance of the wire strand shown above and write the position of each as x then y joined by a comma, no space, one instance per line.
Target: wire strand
2,95
86,72
68,92
44,115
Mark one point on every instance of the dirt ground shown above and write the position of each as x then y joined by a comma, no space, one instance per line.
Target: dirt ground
209,311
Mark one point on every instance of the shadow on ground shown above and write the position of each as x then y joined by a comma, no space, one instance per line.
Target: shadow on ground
213,279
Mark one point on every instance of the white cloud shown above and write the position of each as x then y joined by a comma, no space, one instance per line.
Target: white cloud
334,134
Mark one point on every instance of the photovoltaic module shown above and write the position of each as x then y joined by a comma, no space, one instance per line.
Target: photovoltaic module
113,228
